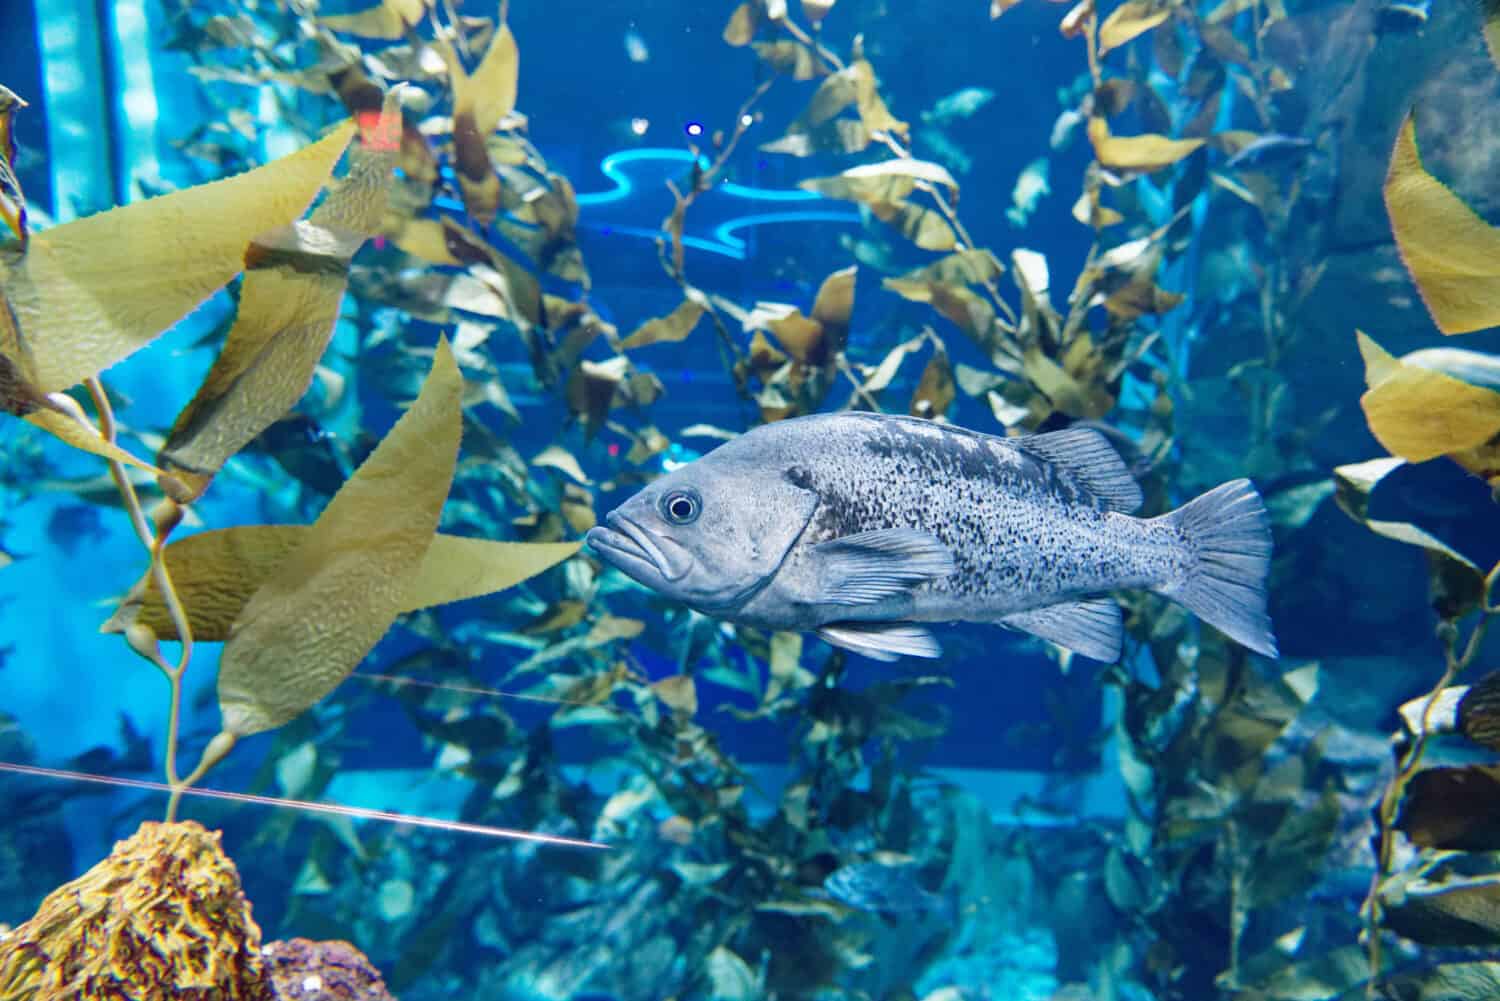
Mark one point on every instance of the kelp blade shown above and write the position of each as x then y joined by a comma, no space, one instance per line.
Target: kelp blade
89,293
214,574
328,603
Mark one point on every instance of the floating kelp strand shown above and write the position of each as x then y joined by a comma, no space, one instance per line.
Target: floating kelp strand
338,809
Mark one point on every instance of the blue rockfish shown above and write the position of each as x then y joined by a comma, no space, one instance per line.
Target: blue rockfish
861,526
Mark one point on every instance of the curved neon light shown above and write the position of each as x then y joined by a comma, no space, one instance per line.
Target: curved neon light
724,232
623,187
724,242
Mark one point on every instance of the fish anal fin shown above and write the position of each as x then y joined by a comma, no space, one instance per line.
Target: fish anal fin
1091,627
882,640
870,566
1091,460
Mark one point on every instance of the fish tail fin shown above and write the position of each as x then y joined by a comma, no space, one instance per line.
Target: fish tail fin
1228,531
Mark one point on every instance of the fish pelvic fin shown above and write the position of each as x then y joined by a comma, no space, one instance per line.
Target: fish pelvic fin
885,641
1088,626
1229,532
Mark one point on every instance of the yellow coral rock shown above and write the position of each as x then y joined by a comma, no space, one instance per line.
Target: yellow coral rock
162,917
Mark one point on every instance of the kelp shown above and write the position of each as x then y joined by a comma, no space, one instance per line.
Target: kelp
319,597
1231,814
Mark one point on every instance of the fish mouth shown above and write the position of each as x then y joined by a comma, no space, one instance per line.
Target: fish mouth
630,548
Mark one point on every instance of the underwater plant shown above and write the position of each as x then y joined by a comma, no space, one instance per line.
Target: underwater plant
297,610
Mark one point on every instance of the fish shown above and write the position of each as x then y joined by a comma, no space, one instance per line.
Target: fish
959,104
1271,149
888,890
863,528
1031,186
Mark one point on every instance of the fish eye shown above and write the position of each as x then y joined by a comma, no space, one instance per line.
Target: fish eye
681,506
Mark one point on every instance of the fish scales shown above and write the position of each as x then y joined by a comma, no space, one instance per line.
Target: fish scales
863,526
1023,532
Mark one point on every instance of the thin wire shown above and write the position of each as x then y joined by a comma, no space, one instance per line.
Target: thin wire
493,692
307,806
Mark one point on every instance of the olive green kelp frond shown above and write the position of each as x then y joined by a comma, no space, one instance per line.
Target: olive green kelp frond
1453,254
91,292
295,277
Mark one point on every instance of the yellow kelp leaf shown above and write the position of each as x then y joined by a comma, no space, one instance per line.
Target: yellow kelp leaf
91,292
1492,32
390,20
741,26
294,281
214,574
854,84
835,299
85,438
872,109
888,181
558,458
1066,393
1129,20
489,93
1146,152
967,267
678,693
969,311
480,101
673,327
789,57
311,623
935,389
1419,413
1453,255
424,238
924,227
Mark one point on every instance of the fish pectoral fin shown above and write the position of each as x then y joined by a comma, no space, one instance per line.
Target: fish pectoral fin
1091,460
882,640
1091,627
869,566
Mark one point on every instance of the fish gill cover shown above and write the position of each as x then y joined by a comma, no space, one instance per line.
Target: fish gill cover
1227,239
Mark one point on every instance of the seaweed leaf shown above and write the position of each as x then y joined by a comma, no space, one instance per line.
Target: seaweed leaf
1146,152
1419,412
1453,255
389,20
91,292
1128,21
673,327
214,574
327,604
295,277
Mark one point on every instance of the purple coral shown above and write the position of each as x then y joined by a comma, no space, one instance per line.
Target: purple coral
301,970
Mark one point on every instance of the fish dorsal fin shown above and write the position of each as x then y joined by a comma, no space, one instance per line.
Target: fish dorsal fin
882,640
1089,458
869,566
1091,627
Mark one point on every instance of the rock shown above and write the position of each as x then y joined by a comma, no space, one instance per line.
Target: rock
301,970
163,916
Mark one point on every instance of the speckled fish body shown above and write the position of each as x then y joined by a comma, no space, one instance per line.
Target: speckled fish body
861,526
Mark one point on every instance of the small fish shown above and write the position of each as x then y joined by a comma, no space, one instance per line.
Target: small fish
959,104
635,46
1031,186
863,526
1270,149
889,890
72,527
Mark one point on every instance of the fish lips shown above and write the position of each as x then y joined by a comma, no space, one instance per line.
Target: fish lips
632,550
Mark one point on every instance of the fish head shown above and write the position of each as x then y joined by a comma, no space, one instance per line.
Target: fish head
711,533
